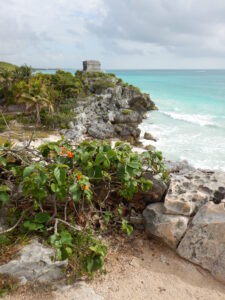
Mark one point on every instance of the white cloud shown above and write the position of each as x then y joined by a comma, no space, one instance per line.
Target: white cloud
43,31
122,34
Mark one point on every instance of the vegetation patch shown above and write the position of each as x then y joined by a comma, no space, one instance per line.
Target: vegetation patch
48,99
127,111
7,66
7,285
68,195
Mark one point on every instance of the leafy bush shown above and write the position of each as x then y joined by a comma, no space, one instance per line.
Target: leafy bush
67,191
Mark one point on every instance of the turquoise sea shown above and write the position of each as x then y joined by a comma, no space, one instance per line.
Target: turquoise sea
190,122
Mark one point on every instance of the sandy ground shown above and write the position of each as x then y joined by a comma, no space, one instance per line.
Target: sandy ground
142,269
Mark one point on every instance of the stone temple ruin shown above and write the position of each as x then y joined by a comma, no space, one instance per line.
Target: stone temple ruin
91,66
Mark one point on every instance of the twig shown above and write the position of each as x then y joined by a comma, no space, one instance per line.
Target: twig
14,226
56,227
65,211
76,227
5,121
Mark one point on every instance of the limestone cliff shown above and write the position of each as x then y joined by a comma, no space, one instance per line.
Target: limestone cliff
111,109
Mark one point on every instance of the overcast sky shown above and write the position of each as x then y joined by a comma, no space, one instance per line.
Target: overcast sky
120,33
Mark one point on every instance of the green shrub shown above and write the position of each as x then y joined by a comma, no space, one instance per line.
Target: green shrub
67,192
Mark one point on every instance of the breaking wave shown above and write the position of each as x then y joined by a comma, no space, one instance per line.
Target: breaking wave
202,120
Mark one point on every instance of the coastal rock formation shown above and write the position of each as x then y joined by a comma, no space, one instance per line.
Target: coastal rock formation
35,264
189,191
169,228
112,110
148,136
192,217
204,242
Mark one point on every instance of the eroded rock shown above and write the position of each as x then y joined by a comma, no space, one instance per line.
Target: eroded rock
190,190
204,242
169,228
35,264
109,111
148,136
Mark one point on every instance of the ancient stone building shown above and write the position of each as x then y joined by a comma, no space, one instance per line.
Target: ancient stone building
91,66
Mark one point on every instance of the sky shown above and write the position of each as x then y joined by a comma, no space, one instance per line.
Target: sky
122,34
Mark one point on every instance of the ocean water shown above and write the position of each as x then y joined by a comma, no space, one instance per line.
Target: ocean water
190,122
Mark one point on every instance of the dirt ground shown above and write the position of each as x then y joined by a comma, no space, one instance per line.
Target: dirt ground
142,269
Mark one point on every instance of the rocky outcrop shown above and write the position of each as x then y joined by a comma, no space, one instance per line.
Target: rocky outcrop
112,110
204,242
192,217
148,136
35,264
189,191
169,228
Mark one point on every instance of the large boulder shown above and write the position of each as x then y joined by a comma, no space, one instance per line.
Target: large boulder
204,242
101,130
148,136
190,190
35,264
169,228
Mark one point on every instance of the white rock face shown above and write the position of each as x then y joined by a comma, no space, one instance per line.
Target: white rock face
189,191
169,228
204,242
192,218
35,264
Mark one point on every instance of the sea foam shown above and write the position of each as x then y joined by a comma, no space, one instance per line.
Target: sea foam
202,120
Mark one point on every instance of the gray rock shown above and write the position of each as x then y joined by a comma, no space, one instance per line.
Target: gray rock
150,147
35,264
101,130
149,137
190,190
109,112
169,228
204,242
180,167
127,116
157,192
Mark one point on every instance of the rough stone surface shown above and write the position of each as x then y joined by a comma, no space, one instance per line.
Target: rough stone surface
190,190
149,137
35,264
169,228
109,112
155,194
204,242
80,291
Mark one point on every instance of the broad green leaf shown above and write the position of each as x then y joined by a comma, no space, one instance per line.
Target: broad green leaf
127,228
4,197
28,170
31,226
3,161
66,237
42,217
4,188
